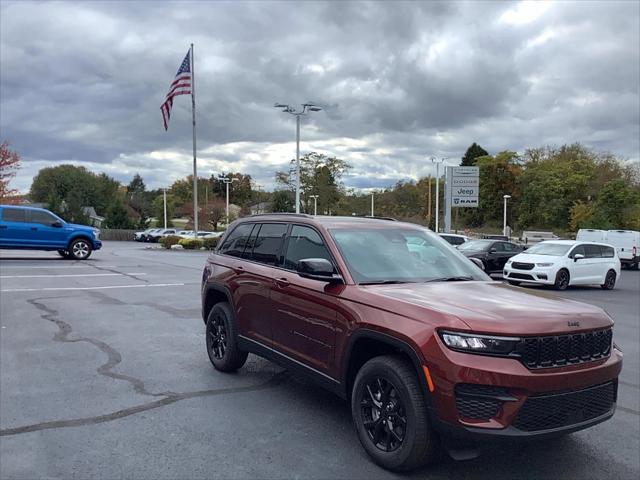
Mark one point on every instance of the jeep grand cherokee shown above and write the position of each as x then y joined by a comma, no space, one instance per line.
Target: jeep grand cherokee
419,340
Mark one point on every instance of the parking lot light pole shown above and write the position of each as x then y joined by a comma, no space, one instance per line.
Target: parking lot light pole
165,207
437,162
227,180
306,107
504,216
315,204
372,194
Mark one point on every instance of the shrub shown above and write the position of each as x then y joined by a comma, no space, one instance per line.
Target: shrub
191,243
170,240
210,243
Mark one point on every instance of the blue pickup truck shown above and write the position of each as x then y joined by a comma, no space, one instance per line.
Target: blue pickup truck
28,228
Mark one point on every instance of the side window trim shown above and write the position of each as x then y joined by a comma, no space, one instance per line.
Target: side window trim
280,254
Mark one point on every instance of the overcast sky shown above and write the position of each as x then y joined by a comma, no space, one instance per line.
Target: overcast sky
82,82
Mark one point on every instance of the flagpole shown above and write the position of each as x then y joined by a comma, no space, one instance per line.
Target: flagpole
195,168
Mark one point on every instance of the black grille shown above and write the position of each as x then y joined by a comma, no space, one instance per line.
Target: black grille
522,266
480,402
564,409
544,352
521,276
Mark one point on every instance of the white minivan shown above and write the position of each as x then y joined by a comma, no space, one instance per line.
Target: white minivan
565,262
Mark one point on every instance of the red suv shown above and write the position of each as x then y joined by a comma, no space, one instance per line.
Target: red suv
420,341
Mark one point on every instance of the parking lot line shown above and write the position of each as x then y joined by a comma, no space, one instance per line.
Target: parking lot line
21,267
52,289
74,275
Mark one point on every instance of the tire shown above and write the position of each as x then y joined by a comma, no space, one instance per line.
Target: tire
387,389
63,253
609,281
562,280
514,283
635,266
221,334
80,249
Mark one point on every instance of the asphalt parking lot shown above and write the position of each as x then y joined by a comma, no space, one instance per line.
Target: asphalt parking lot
104,374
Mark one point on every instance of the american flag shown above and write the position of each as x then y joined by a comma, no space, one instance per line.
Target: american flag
181,85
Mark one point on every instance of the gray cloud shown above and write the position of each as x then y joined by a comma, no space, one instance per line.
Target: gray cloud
399,81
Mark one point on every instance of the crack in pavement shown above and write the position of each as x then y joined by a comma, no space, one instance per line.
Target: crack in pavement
64,329
114,357
113,270
274,381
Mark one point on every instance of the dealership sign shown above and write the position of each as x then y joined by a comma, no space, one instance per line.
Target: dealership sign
465,185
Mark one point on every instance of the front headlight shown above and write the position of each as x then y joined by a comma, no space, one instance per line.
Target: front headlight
483,344
96,233
544,264
509,262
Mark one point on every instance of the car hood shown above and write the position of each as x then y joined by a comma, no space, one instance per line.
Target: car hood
533,258
489,307
76,226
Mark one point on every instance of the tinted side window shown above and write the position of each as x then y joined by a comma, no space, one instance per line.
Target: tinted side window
508,247
45,218
251,241
593,251
304,242
458,241
579,249
607,252
14,215
268,243
236,241
499,246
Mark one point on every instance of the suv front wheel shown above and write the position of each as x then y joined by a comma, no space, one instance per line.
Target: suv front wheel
390,415
80,249
221,339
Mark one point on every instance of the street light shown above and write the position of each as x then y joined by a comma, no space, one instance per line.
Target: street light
504,217
372,194
315,204
164,195
306,107
437,162
227,180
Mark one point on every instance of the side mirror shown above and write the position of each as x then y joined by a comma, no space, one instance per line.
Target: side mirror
492,250
318,269
57,224
577,257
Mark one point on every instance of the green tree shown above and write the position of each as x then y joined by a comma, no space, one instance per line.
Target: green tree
282,201
614,203
499,176
474,151
138,200
581,215
118,216
157,208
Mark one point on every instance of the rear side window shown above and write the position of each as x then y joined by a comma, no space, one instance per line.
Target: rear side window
236,241
45,218
593,251
304,242
508,247
14,215
268,243
607,252
499,246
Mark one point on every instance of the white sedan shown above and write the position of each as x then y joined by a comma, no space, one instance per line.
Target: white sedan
565,262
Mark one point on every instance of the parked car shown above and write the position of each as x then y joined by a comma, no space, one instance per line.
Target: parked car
422,349
159,233
626,243
562,263
28,228
529,237
454,239
142,236
504,238
493,254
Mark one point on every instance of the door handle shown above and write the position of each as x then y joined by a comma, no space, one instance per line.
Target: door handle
238,269
282,282
34,228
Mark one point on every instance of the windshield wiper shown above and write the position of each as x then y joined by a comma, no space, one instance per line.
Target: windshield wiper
450,279
385,282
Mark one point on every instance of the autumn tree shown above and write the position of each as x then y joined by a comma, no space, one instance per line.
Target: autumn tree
9,165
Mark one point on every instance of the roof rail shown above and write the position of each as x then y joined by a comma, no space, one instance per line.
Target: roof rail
382,218
281,213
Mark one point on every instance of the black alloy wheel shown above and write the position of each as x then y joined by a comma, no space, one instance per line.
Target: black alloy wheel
609,281
562,280
383,414
221,342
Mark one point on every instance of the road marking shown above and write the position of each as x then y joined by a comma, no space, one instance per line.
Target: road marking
73,275
51,289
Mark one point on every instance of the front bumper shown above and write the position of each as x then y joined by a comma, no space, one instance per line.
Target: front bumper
505,385
543,276
97,244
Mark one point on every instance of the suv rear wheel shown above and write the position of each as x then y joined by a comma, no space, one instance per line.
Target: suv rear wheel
390,415
222,346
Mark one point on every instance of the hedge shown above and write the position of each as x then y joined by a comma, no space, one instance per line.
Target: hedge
191,243
169,241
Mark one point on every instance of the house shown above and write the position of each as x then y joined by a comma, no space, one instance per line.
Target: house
262,207
94,219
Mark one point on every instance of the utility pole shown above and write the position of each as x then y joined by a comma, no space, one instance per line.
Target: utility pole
372,213
165,207
429,204
437,162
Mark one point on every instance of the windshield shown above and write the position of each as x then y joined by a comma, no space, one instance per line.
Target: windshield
553,249
401,256
475,245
